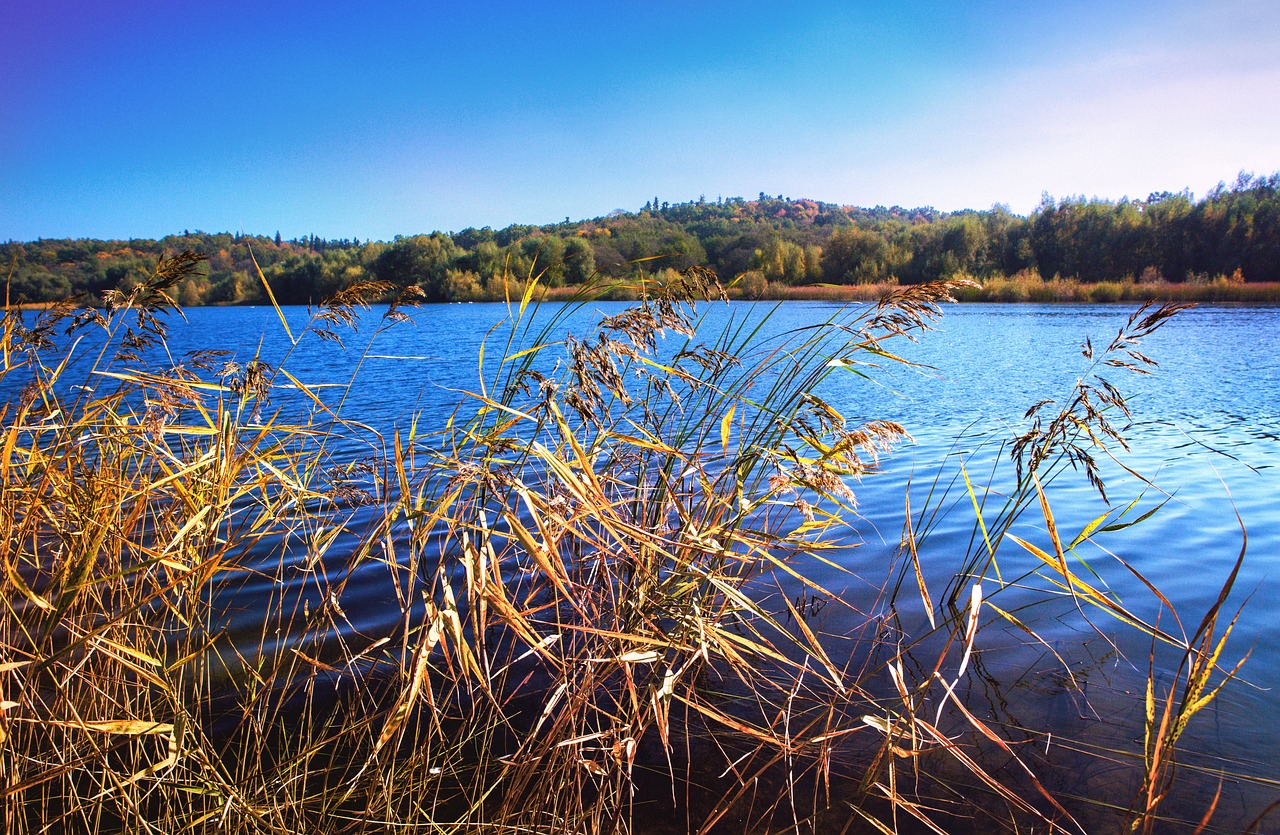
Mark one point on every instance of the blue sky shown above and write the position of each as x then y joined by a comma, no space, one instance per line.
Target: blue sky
143,118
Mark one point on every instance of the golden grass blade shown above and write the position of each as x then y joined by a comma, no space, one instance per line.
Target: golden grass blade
266,285
417,681
528,292
308,391
642,443
1073,584
125,727
815,650
909,539
137,654
726,424
982,524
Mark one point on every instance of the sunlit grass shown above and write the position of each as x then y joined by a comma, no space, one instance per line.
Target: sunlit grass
1029,287
581,555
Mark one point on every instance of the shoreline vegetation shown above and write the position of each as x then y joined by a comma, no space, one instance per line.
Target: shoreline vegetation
595,560
1025,288
1223,247
1022,288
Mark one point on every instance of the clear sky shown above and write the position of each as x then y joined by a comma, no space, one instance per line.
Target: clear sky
137,119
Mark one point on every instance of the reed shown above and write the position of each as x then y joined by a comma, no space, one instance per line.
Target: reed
1030,287
583,556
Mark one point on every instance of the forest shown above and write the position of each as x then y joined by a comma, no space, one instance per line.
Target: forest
1232,235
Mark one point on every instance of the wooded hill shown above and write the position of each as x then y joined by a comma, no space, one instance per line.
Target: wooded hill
1233,231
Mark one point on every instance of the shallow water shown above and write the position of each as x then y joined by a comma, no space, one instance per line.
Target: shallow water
1205,429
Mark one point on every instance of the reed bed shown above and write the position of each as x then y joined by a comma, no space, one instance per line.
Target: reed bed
595,560
828,292
1030,287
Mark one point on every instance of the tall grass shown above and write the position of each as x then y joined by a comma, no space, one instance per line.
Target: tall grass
1029,286
582,557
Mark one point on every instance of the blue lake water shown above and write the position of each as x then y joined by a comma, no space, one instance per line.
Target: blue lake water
1205,432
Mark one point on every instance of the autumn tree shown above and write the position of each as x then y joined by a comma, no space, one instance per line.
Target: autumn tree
780,260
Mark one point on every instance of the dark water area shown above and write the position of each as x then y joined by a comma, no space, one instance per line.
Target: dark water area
1204,432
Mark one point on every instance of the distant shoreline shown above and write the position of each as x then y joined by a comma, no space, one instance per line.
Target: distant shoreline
1222,248
1016,290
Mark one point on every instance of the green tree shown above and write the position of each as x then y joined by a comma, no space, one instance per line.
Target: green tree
812,262
487,259
463,286
579,260
780,261
545,257
855,256
421,260
962,246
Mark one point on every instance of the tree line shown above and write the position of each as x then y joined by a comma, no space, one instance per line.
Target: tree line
1232,231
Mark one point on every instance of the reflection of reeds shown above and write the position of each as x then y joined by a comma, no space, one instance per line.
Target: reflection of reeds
579,556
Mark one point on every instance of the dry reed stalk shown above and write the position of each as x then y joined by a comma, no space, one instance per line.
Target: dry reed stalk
576,558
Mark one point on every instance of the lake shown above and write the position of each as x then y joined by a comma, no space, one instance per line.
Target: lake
1204,433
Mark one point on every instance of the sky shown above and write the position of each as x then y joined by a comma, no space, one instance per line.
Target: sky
369,120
